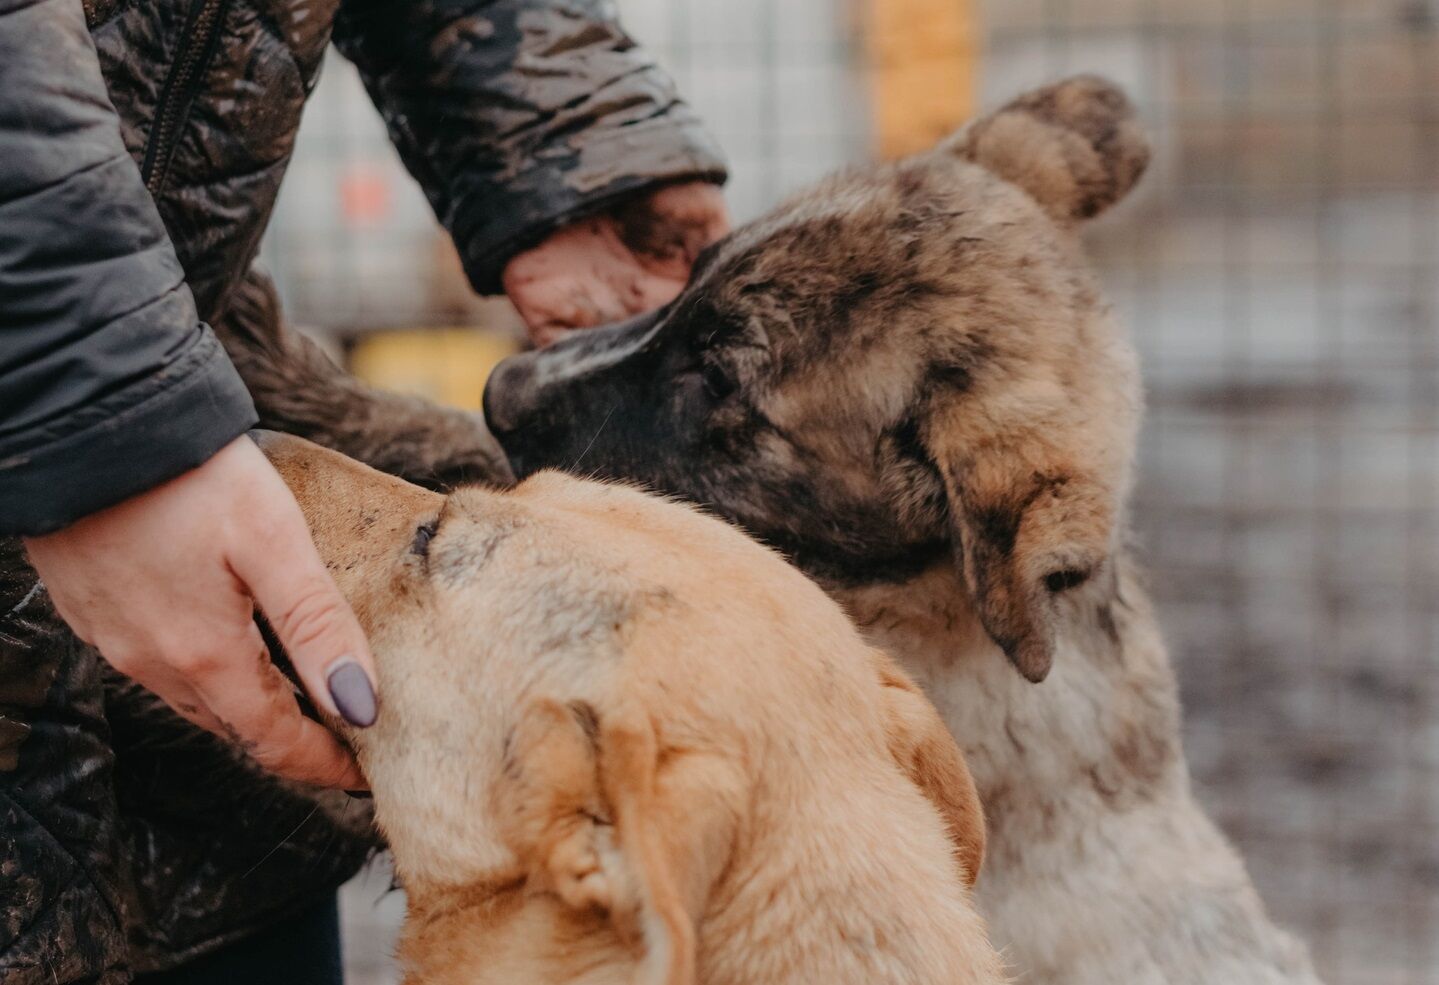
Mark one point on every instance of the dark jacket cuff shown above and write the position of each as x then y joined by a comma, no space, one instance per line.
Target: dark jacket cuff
512,216
131,441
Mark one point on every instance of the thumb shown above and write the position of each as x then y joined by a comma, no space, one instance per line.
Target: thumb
288,581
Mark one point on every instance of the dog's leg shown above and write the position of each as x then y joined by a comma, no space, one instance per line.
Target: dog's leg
299,390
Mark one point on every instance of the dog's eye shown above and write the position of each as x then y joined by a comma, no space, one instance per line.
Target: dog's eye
717,383
425,533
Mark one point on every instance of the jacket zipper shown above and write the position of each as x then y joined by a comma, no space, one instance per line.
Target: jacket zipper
175,95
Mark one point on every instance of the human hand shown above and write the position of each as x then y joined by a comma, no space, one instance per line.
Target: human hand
164,585
609,267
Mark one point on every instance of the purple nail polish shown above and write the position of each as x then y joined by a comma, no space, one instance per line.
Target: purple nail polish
353,695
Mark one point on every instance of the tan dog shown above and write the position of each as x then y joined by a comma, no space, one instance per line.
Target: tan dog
621,742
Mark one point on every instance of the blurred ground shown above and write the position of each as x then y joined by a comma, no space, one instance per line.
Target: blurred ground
370,915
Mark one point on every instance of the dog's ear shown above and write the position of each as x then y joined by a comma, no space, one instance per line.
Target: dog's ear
1027,520
581,804
1075,146
922,745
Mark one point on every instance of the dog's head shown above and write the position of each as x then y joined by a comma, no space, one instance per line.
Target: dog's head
906,363
585,690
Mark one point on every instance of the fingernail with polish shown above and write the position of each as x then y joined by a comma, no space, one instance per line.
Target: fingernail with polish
353,695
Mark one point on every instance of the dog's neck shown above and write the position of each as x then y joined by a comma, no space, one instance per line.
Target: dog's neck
1091,820
812,906
1102,725
908,914
498,932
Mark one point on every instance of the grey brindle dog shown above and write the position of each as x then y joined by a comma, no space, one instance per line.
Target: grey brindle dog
906,380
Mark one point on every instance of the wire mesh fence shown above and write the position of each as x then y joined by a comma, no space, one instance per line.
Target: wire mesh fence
1279,278
1279,270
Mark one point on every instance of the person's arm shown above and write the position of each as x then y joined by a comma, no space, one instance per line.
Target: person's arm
154,524
109,382
529,119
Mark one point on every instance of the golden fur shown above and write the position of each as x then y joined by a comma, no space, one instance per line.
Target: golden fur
621,742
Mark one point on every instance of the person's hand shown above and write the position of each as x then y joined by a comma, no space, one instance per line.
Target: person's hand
164,586
609,267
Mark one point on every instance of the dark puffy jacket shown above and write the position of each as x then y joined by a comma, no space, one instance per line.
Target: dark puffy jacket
139,161
129,840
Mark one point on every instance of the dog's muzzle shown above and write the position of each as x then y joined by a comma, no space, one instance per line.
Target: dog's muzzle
536,402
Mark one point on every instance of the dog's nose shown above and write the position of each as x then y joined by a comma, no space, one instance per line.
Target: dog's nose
511,395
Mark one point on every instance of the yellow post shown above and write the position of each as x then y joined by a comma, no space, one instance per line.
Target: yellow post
923,57
449,365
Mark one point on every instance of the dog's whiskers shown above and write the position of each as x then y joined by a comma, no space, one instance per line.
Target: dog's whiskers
281,843
595,437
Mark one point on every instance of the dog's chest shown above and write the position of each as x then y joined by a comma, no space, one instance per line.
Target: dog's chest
1097,734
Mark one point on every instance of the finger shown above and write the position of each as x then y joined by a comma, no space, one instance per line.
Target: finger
592,301
188,704
137,661
255,708
648,291
667,229
542,326
312,620
568,303
285,742
558,308
544,307
547,335
172,689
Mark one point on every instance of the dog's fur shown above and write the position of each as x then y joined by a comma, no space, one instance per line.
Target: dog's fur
299,390
621,742
907,381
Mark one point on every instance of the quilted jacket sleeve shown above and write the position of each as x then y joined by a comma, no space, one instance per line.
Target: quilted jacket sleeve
109,382
519,116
